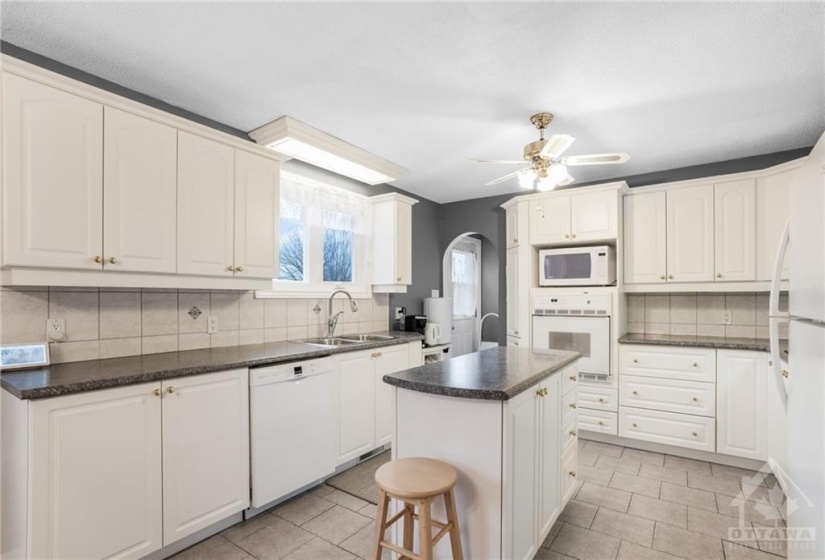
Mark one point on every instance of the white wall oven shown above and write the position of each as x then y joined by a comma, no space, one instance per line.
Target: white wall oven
578,266
578,322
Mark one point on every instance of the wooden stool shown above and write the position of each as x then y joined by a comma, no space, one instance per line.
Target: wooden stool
418,482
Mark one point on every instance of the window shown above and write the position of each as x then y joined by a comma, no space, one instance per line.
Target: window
465,281
292,244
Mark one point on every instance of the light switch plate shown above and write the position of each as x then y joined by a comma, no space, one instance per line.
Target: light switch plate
55,330
212,324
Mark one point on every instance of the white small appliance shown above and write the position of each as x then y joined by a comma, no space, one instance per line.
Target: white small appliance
578,266
577,322
432,332
440,312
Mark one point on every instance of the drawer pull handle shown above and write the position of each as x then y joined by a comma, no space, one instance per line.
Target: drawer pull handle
635,425
694,434
572,473
573,433
573,405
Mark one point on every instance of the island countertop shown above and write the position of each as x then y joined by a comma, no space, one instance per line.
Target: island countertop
496,374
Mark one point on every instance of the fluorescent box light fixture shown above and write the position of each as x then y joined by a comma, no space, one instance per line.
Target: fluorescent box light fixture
297,140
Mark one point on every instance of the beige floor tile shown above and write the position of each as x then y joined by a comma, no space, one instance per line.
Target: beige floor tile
604,448
680,542
633,551
624,526
214,548
241,530
726,486
302,509
635,484
554,530
722,526
664,474
594,474
626,465
322,490
648,457
688,496
588,458
585,544
369,510
337,524
690,465
772,539
657,510
736,551
750,510
275,541
347,500
603,496
578,513
724,471
360,543
317,549
547,554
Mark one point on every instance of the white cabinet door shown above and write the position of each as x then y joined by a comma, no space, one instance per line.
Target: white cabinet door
205,450
95,486
594,216
206,192
513,289
550,448
53,177
742,404
690,234
512,226
773,195
140,169
389,360
550,220
257,206
392,243
403,244
645,227
734,212
521,465
356,404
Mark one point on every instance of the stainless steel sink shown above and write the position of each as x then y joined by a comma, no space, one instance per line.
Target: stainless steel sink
333,342
367,337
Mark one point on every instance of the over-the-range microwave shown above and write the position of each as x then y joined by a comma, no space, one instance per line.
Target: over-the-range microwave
578,266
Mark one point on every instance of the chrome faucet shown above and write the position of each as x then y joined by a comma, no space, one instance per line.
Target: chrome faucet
332,321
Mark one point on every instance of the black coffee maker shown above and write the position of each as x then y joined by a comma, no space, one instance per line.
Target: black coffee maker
415,323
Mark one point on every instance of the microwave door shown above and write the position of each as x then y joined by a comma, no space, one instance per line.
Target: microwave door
590,336
567,269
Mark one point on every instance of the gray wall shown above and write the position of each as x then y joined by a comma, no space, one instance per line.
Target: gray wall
490,290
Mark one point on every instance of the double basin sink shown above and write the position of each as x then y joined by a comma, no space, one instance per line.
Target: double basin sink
347,340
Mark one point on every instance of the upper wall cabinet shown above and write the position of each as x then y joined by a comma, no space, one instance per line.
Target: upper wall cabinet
516,230
773,195
735,230
257,207
392,243
563,219
645,234
53,177
550,220
690,234
139,188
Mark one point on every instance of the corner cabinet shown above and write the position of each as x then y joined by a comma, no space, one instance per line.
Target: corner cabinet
392,243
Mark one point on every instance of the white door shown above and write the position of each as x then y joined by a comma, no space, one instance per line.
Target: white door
390,360
590,336
257,206
742,404
95,485
550,220
465,291
520,468
734,211
53,177
550,448
513,287
690,234
645,245
594,216
773,200
205,450
206,192
356,404
140,170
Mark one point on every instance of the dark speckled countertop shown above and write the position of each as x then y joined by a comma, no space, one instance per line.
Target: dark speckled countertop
495,374
78,377
758,344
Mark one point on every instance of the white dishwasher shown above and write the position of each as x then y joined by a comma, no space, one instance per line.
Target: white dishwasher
292,424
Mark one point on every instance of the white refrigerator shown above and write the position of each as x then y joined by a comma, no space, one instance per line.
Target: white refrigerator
801,380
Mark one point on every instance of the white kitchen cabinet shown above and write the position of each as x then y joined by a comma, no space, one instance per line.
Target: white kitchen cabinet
550,220
522,460
672,395
513,341
514,287
773,195
734,211
389,359
512,226
656,426
139,193
94,474
257,207
550,417
53,177
690,243
206,192
600,421
392,243
645,238
356,404
594,216
205,450
668,362
742,404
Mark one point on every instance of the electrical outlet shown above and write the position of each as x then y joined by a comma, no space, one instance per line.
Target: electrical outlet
55,330
212,324
726,317
398,313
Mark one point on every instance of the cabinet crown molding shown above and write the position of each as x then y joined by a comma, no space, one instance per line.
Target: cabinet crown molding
619,186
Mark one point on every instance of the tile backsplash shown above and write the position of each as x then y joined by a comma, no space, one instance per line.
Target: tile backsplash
109,323
701,314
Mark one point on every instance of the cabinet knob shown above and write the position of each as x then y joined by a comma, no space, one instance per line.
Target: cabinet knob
662,277
635,425
635,392
573,433
770,363
718,274
516,331
601,422
567,236
398,279
98,259
539,393
112,260
635,361
694,434
573,236
670,277
156,392
515,344
238,269
695,399
785,373
170,389
515,240
573,405
695,364
229,268
573,378
572,474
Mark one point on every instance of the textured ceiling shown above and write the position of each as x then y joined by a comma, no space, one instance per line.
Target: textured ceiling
429,86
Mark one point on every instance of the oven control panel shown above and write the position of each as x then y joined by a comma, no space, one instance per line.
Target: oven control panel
573,305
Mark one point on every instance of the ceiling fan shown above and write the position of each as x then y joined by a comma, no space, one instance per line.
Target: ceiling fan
547,169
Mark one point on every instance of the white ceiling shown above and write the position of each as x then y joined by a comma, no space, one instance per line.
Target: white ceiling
429,86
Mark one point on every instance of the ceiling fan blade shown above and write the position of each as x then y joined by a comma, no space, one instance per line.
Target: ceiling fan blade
506,177
596,159
566,181
556,145
507,161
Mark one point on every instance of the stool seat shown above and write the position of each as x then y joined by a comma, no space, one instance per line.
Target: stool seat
416,477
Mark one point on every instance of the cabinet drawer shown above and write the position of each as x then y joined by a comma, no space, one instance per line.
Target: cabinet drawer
669,395
597,421
569,435
598,398
568,406
690,364
681,430
570,379
569,476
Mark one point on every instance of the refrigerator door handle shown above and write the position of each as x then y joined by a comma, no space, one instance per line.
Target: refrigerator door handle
773,303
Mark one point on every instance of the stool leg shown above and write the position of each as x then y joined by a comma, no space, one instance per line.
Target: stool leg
452,517
425,530
380,523
408,526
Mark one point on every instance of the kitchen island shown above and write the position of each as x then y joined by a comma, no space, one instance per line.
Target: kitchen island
505,418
